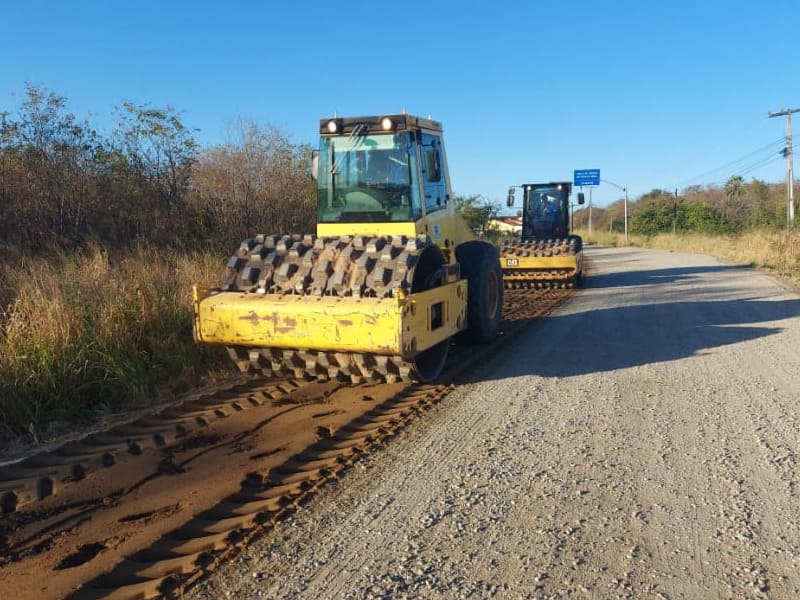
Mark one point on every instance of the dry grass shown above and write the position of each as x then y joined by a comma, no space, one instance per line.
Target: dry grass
93,333
604,238
776,251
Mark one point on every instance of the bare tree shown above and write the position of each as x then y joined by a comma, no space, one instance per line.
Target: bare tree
257,182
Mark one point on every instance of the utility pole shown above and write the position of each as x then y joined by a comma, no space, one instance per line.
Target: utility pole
787,152
625,191
675,213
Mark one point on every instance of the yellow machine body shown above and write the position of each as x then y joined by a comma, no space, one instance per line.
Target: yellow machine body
390,326
518,268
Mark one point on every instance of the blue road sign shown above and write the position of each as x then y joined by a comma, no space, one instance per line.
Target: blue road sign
586,177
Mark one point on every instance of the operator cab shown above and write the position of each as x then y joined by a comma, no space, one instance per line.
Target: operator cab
546,211
377,170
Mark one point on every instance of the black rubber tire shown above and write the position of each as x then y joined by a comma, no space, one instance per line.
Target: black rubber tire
480,265
428,364
577,280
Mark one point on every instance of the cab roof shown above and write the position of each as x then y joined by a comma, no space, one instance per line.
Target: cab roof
376,124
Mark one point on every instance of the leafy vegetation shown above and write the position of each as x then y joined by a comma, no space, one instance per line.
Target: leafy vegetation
736,207
478,212
63,184
102,238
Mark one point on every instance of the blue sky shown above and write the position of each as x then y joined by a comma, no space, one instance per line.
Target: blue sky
654,94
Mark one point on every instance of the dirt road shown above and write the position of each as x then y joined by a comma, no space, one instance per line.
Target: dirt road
641,442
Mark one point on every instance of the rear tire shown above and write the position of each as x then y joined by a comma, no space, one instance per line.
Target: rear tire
480,265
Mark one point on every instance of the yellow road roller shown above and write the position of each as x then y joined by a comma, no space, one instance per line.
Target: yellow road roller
545,255
392,274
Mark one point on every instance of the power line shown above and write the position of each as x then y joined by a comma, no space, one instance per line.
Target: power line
729,166
750,168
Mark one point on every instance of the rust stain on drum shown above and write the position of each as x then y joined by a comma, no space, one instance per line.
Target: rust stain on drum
252,317
286,325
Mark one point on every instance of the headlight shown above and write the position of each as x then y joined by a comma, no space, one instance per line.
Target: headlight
387,124
333,126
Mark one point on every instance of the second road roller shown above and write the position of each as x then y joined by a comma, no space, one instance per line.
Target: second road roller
546,254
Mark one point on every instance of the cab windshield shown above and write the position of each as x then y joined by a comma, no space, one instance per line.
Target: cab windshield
368,178
545,212
546,204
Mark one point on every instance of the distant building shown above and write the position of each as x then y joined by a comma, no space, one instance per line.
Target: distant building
506,224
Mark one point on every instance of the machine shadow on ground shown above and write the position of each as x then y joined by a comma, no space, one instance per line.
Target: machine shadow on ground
564,345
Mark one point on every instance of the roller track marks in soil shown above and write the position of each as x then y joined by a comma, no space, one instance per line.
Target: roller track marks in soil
163,499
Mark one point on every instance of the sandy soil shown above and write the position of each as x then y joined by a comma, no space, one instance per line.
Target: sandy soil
641,442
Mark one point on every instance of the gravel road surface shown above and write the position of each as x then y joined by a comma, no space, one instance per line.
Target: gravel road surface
641,442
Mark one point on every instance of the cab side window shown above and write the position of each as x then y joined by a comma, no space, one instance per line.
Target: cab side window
433,179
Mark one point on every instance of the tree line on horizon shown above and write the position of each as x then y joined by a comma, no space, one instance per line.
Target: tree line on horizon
736,207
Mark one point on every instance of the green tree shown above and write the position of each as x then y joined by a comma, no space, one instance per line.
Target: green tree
656,212
478,212
735,211
734,188
769,207
701,218
655,218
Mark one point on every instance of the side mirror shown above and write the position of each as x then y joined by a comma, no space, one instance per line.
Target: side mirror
581,198
510,197
315,164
